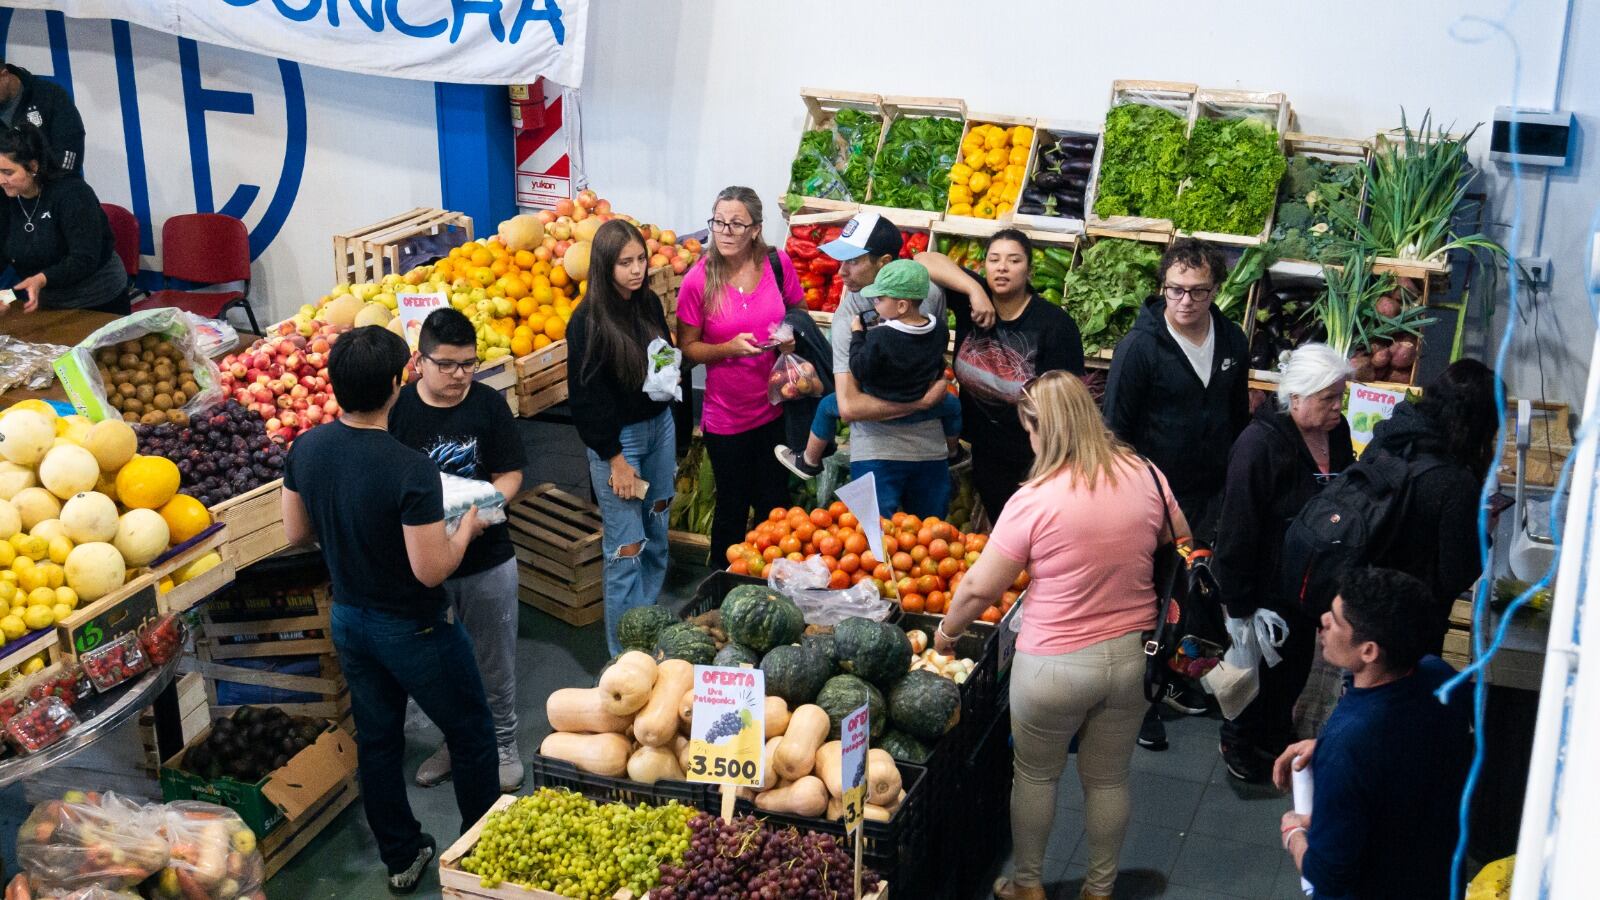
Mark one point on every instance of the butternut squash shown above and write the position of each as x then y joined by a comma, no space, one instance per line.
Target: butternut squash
648,765
835,808
807,796
680,748
797,754
657,723
627,683
830,762
582,711
876,813
597,754
686,711
883,777
769,778
777,716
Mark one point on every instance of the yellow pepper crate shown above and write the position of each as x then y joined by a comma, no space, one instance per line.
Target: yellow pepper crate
995,150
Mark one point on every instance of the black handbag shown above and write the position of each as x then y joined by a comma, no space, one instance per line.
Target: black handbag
1161,643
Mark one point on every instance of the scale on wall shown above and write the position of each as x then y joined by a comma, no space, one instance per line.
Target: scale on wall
1533,546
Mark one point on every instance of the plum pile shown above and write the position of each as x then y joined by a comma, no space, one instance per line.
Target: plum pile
224,452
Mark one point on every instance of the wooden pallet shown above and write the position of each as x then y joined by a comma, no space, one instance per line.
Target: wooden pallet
368,253
577,617
541,379
282,843
561,530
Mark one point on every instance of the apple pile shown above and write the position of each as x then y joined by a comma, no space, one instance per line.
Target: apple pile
284,378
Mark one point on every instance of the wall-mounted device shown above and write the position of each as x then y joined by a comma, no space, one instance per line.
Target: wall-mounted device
1543,138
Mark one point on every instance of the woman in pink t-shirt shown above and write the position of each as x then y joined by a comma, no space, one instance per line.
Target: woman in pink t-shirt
1085,526
728,307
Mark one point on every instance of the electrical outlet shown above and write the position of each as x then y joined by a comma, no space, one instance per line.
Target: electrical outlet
1536,269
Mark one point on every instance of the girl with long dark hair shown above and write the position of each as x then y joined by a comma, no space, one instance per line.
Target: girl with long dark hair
628,432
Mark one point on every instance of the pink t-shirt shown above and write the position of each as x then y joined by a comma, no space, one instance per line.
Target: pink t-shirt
1089,558
736,389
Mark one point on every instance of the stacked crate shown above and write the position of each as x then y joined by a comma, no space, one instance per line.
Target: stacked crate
556,537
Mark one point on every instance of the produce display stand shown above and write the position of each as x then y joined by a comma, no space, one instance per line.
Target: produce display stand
369,253
897,107
1173,96
1049,129
255,524
821,107
1269,108
556,537
1101,359
1008,122
542,379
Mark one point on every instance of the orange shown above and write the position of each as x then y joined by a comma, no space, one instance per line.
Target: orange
847,520
856,543
525,259
500,266
555,328
559,277
849,562
147,482
186,517
526,309
481,257
541,341
521,346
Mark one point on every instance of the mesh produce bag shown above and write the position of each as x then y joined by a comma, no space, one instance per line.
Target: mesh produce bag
94,839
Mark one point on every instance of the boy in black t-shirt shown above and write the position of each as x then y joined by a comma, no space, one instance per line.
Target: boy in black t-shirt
377,507
894,358
467,430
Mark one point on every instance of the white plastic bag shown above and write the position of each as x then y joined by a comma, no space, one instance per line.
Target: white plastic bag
664,381
461,494
213,337
1256,639
806,583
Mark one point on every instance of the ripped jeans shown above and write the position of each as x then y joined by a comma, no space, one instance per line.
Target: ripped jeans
634,532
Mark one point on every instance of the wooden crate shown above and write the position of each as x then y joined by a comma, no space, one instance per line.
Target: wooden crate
1173,96
500,376
111,616
915,107
19,651
1328,149
1007,122
821,107
556,537
304,630
542,379
255,524
665,283
1271,108
194,715
368,253
1549,443
1048,130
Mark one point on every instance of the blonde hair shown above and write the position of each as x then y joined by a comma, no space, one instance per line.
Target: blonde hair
1072,436
718,267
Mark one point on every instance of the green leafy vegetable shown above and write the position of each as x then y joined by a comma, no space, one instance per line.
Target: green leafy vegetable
1142,162
912,170
1104,292
860,132
1252,264
1303,226
1231,170
1348,292
834,163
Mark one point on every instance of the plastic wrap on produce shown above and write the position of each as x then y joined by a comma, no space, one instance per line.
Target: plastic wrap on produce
806,583
27,365
81,376
461,494
103,840
213,337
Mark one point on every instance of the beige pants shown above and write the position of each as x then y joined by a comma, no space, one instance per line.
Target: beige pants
1098,689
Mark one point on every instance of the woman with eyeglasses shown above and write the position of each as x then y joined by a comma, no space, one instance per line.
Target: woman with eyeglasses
54,233
1280,461
1085,527
730,303
627,430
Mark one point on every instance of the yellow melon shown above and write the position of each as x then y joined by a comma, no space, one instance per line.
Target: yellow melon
10,520
25,437
48,530
372,314
95,570
141,536
36,504
112,442
66,471
147,482
341,310
14,478
90,516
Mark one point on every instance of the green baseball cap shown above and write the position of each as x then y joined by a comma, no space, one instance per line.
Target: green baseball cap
902,279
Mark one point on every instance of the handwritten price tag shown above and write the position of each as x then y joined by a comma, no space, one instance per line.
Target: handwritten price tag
855,729
413,308
728,724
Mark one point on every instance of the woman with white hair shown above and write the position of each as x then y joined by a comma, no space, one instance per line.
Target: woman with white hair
1279,462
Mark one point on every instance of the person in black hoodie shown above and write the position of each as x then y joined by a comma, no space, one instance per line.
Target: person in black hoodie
25,98
1436,539
53,232
1179,394
626,427
1285,455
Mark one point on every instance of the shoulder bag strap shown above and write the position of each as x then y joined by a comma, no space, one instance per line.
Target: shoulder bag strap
1163,591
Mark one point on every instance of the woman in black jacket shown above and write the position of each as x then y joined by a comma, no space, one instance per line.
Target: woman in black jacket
1437,537
1280,461
627,431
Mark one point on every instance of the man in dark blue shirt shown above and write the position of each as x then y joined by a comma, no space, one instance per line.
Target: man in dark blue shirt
1392,760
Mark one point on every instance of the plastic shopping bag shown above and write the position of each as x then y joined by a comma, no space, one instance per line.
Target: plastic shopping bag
806,583
213,853
94,839
663,381
461,494
792,378
144,345
1256,639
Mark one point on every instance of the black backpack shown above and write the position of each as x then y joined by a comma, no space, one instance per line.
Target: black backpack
1347,525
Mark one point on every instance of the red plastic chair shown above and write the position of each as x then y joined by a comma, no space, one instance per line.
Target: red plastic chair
207,249
125,234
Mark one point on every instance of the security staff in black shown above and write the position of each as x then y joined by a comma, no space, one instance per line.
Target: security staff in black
27,98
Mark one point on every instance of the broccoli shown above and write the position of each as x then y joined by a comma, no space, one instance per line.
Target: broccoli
1294,215
1303,175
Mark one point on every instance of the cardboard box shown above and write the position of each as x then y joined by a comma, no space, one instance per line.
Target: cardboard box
285,794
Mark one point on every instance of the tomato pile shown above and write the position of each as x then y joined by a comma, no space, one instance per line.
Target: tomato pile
927,557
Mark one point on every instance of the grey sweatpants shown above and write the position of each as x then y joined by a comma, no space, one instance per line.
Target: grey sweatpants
486,605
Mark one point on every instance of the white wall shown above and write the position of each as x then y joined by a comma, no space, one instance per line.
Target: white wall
675,107
371,145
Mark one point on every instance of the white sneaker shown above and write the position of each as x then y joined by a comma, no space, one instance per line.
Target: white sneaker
435,769
510,770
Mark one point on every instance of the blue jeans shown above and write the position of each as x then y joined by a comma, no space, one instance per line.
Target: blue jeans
825,424
919,488
635,579
385,659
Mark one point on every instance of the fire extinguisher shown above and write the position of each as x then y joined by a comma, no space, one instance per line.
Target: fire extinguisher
527,106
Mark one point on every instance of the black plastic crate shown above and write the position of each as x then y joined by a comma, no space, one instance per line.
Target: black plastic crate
709,593
897,849
977,644
987,780
555,773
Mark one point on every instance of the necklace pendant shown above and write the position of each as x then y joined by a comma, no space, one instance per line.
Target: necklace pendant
28,227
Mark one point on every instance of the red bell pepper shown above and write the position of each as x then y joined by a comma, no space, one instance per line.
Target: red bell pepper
813,298
800,250
825,265
831,233
809,280
806,232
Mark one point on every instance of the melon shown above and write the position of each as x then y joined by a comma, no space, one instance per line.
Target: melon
141,536
107,485
14,478
74,428
69,471
522,232
49,530
372,314
25,437
341,310
94,570
576,260
36,504
10,520
90,516
112,442
587,229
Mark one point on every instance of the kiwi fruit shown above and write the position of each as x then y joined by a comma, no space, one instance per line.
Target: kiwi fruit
153,417
177,417
145,393
133,405
130,418
179,399
128,360
126,389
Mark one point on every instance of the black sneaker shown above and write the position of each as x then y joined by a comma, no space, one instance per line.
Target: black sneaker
405,882
1186,697
1244,763
960,460
1153,732
796,463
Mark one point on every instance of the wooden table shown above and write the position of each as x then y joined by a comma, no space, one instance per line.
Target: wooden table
49,326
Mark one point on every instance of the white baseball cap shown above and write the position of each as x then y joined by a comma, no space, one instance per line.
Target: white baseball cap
866,232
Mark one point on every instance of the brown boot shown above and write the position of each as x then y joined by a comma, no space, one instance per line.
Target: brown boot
1006,889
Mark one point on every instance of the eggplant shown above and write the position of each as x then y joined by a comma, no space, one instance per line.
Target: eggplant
1030,209
1034,194
1074,183
1078,166
1068,197
1049,181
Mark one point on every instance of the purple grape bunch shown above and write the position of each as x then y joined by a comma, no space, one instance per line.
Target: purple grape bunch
727,725
222,453
746,860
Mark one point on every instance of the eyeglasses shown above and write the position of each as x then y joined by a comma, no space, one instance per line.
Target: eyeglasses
450,366
729,227
1174,293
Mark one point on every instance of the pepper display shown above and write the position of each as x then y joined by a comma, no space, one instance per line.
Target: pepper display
817,270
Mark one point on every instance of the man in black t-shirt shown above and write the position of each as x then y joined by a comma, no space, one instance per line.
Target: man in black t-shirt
467,430
377,507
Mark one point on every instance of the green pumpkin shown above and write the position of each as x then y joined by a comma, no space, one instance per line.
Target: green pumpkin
876,651
686,642
638,628
843,695
794,673
904,747
735,655
822,645
924,705
761,618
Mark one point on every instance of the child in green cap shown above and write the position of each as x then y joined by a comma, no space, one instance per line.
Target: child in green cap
895,353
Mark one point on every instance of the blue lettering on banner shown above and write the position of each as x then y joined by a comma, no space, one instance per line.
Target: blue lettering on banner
550,12
373,17
490,9
391,8
547,11
310,11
